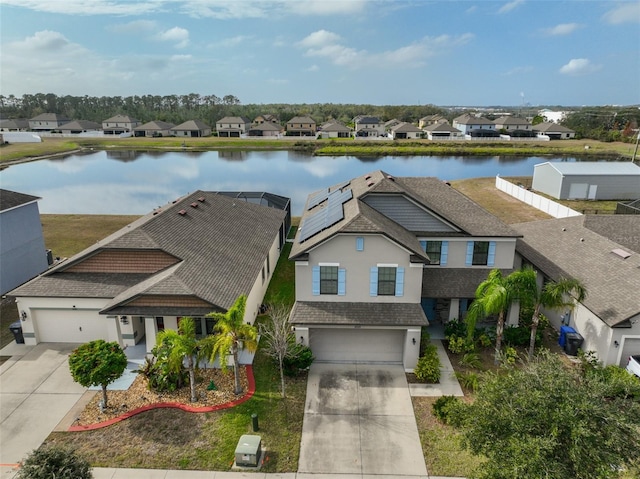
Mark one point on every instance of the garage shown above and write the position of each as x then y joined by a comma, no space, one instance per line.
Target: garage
630,346
68,326
357,345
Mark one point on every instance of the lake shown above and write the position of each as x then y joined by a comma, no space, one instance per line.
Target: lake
134,182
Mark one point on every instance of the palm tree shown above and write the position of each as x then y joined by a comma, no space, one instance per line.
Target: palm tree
550,295
183,344
232,335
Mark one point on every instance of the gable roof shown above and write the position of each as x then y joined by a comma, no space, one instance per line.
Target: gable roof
552,127
335,125
13,199
405,127
154,126
467,119
121,119
267,126
443,126
367,120
191,125
302,119
81,125
511,120
49,117
429,193
217,257
566,247
234,119
14,123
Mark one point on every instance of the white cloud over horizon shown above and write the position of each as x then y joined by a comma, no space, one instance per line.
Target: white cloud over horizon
507,7
623,13
175,34
561,29
579,66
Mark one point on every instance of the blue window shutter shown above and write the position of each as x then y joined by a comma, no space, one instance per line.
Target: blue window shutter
400,281
359,243
373,282
491,258
315,281
342,282
444,253
423,245
469,253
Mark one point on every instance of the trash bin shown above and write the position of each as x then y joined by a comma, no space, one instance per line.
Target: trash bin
563,335
16,329
574,341
254,422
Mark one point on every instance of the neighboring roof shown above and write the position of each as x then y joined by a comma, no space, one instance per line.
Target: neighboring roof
79,285
432,118
511,120
430,193
191,125
392,123
221,245
154,126
453,282
446,127
567,248
600,168
552,127
14,123
267,126
234,119
370,120
302,119
406,127
352,314
467,119
12,199
49,117
623,229
81,125
335,125
121,119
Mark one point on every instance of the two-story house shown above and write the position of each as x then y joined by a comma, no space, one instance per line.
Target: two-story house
514,126
475,126
377,258
428,120
368,126
47,122
119,124
301,126
233,126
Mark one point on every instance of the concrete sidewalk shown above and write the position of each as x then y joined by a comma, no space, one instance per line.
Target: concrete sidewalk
448,385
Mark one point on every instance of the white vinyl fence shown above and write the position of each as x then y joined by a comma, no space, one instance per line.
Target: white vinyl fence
532,199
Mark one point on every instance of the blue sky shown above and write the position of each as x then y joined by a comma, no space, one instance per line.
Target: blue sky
483,52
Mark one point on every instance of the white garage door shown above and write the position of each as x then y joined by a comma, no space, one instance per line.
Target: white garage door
630,346
67,326
363,345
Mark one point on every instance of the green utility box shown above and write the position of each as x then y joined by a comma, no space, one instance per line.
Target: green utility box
248,451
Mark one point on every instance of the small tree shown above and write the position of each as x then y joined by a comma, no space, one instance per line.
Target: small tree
97,363
48,463
232,335
277,336
182,345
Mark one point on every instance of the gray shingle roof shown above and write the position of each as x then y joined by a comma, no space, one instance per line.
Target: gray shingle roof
267,126
623,229
191,125
550,127
221,244
444,126
566,248
302,119
234,119
369,314
154,126
12,199
335,125
467,119
511,120
79,285
121,119
405,128
453,282
81,125
49,117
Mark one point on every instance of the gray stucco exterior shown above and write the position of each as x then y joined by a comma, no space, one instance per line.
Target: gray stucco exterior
22,251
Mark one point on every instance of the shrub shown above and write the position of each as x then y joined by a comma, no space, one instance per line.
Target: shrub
471,360
459,345
54,462
485,340
298,358
157,369
445,408
455,327
469,381
520,336
428,367
425,339
509,356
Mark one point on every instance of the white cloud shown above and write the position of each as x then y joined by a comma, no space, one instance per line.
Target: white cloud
313,68
562,29
623,13
175,34
134,27
237,40
327,7
519,70
84,7
471,9
320,38
579,66
507,7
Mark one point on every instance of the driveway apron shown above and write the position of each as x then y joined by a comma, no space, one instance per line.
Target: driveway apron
359,419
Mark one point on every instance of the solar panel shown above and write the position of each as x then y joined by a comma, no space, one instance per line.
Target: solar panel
317,198
325,217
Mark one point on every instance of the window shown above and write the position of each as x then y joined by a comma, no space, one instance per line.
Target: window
268,265
386,281
328,280
481,253
263,276
160,323
359,243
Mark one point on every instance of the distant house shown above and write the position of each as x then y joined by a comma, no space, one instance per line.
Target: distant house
368,126
191,257
390,124
588,180
80,126
266,129
301,126
429,120
514,126
553,116
442,131
260,119
554,131
22,250
475,126
233,126
15,124
191,129
334,129
405,131
47,122
603,252
154,128
119,124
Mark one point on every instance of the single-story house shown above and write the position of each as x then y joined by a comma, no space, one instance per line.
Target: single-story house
154,128
301,126
442,131
80,126
119,124
191,129
406,131
14,124
554,131
193,256
266,129
372,257
22,250
47,122
603,252
334,129
588,180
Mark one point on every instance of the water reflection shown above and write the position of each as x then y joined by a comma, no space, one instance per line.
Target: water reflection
137,182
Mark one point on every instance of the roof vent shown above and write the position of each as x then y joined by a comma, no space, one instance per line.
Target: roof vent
367,177
620,252
391,178
182,212
371,183
201,199
194,205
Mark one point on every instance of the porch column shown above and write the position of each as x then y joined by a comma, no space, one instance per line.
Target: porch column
513,317
454,309
113,330
150,331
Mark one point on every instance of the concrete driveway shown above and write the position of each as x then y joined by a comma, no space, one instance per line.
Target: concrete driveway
36,392
359,420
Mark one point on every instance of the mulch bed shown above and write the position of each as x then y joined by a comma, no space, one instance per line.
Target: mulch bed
139,395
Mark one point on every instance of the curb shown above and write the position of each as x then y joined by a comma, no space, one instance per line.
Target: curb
185,407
